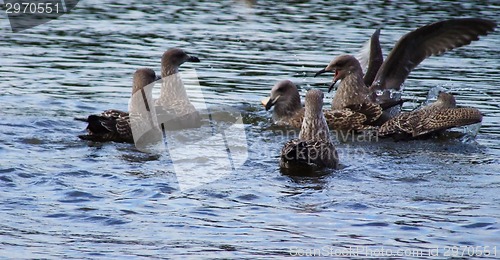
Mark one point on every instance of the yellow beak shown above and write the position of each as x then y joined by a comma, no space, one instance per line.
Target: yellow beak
264,101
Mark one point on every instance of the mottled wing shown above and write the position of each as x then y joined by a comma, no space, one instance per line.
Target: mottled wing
296,121
110,125
432,39
345,119
447,118
401,124
123,128
372,111
308,154
113,113
101,124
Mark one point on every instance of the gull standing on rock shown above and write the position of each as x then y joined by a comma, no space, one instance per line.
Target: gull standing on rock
409,51
313,149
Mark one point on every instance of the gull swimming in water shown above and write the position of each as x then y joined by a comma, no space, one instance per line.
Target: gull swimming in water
174,109
115,125
314,148
288,110
409,51
433,118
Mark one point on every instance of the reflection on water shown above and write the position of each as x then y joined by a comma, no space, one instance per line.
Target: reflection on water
64,198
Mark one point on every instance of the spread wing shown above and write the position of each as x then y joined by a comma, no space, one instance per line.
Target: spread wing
432,39
375,60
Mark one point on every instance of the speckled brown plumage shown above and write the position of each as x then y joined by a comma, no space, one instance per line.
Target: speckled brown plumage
172,110
409,51
103,127
173,107
288,110
114,125
438,116
313,149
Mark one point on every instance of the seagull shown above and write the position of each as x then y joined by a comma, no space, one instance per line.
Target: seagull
409,51
288,110
115,125
313,150
433,118
174,109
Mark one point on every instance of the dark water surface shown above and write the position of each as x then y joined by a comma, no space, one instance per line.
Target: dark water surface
64,198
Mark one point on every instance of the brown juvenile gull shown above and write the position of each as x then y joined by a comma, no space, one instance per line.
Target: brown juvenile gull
173,107
115,125
313,149
288,110
409,51
435,117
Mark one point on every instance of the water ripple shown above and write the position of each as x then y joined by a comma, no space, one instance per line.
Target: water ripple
64,198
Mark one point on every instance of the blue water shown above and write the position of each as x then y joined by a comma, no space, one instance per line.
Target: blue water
62,198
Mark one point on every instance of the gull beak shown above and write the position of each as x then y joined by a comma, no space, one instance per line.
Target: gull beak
268,102
331,86
193,59
320,72
335,79
265,101
158,77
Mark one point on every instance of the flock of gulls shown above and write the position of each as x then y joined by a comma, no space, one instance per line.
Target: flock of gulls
363,101
148,117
